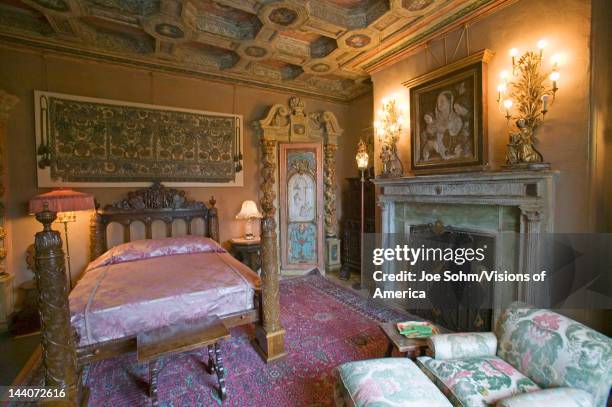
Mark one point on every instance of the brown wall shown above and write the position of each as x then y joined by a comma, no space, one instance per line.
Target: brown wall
360,126
601,116
575,137
23,71
564,137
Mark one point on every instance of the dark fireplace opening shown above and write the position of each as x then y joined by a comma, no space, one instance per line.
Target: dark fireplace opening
458,305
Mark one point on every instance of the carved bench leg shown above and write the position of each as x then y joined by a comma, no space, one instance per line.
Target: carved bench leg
153,373
220,372
210,366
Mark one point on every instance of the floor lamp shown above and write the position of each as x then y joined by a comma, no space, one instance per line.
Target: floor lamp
64,202
362,163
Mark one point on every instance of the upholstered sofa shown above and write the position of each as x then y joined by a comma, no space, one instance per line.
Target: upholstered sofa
535,357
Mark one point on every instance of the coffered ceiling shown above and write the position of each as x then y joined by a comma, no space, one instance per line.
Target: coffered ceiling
317,47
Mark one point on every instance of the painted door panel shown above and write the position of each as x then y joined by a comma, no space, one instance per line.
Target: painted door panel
301,201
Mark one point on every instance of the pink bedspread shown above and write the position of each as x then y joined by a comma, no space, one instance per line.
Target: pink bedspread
146,284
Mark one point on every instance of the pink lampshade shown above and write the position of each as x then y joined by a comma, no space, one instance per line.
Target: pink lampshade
62,200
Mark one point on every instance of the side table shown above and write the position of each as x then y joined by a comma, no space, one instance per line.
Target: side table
247,251
411,347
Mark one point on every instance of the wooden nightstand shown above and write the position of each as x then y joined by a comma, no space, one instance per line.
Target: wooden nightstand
247,251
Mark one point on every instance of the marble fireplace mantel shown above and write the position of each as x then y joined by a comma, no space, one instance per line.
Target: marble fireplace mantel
524,198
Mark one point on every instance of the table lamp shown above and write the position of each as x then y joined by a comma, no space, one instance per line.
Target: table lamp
62,205
249,212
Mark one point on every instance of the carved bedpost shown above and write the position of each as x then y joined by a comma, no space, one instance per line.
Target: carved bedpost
59,355
270,336
97,236
213,220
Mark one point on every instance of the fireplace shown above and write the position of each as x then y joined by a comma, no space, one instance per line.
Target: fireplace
505,211
457,305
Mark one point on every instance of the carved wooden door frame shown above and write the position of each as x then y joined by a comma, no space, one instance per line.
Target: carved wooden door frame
284,218
287,124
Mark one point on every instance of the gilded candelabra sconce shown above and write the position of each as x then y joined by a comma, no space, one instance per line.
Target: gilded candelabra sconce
388,127
524,97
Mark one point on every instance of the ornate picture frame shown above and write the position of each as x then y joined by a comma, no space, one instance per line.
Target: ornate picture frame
448,117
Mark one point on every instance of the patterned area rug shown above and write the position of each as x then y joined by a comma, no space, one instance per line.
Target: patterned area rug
325,324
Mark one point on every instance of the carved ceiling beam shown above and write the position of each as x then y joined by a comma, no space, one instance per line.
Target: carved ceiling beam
214,39
171,27
249,6
315,47
439,21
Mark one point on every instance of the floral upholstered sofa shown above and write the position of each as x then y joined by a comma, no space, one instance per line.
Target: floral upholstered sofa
534,358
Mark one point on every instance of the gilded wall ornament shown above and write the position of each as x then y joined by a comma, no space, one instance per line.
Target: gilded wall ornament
524,97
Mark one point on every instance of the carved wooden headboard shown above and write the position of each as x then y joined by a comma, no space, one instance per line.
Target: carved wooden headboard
156,203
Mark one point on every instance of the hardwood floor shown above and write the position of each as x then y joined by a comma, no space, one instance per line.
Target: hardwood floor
14,354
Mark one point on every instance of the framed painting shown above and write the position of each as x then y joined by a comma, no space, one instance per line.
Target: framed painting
448,122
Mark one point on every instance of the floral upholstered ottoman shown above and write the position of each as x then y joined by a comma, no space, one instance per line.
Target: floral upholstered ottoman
385,382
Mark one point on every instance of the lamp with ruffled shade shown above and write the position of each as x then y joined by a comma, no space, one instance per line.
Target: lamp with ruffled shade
249,212
61,204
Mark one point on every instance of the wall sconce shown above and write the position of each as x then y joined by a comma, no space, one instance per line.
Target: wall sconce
388,127
524,96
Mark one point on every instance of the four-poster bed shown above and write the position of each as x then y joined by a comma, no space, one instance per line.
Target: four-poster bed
65,349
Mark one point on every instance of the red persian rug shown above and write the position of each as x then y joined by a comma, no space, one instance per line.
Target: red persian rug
325,324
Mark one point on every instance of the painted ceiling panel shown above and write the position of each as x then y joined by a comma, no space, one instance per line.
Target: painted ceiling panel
314,47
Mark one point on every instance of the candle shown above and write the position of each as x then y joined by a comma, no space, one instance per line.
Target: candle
501,90
508,105
541,45
513,54
545,103
554,77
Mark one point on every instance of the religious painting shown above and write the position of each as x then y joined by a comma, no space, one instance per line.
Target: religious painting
448,126
302,200
302,243
90,142
301,206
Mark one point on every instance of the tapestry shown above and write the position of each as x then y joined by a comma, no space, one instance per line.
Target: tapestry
93,140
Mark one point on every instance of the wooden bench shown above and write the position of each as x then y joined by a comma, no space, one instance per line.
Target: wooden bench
182,337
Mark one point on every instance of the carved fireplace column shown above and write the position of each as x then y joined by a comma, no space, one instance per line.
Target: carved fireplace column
270,335
7,102
530,228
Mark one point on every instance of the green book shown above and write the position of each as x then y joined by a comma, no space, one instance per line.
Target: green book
416,329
